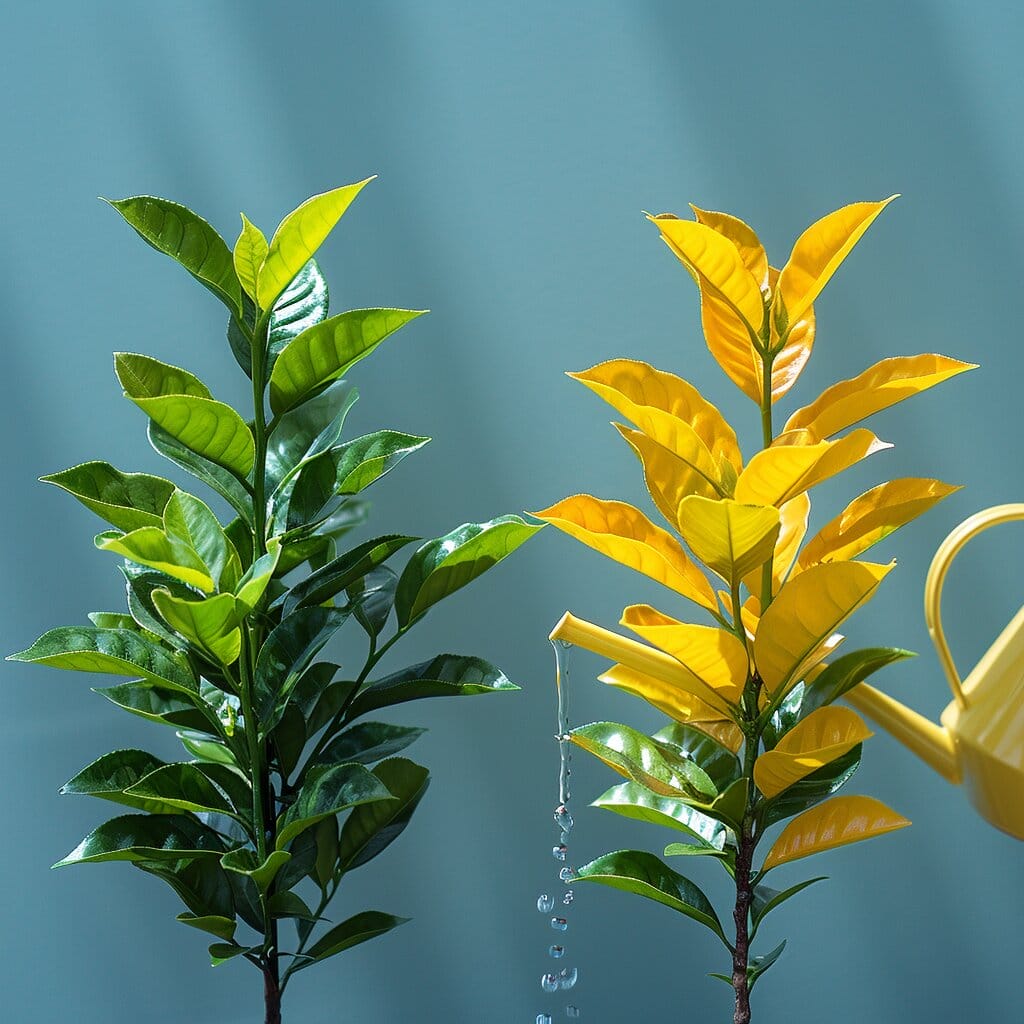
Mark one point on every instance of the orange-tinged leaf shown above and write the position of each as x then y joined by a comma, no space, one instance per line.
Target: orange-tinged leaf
836,822
625,534
882,385
793,518
712,655
665,407
717,263
669,478
731,538
818,253
871,517
790,360
779,473
743,236
794,631
817,740
723,731
678,703
728,340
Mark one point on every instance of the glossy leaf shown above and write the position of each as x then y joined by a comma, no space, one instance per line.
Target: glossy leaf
766,899
367,925
872,517
440,567
728,340
364,460
793,516
245,862
715,657
815,741
627,536
748,245
329,793
645,875
810,790
729,537
718,761
817,254
181,787
179,233
114,651
632,800
125,500
156,705
369,742
327,350
372,827
222,927
249,253
806,612
637,757
837,822
110,776
447,675
846,672
152,547
298,237
145,837
692,850
301,305
679,704
253,584
778,474
372,597
191,521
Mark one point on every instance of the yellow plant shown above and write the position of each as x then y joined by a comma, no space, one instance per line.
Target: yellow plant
752,738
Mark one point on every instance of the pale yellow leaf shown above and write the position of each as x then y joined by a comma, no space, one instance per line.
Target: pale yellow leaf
248,256
730,537
625,534
836,822
793,518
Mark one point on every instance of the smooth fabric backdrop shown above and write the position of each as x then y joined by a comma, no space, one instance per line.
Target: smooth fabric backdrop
516,146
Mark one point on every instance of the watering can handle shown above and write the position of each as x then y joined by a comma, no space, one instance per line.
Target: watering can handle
948,550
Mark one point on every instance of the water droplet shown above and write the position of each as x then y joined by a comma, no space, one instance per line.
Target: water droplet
543,1018
568,897
572,1011
567,977
563,819
567,874
557,952
549,982
559,851
559,924
563,838
545,903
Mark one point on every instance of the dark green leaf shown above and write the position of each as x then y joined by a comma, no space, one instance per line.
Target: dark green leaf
760,964
155,705
222,952
125,500
201,885
332,700
369,742
632,800
290,904
146,837
188,239
243,861
310,688
721,764
180,787
301,305
765,899
442,566
785,717
325,834
642,873
371,828
304,853
233,783
222,927
811,789
207,748
846,672
109,776
447,675
367,925
372,597
141,583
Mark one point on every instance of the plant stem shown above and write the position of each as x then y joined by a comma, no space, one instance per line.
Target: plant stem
271,995
259,425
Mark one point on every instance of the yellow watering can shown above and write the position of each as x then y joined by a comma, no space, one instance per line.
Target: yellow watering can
980,742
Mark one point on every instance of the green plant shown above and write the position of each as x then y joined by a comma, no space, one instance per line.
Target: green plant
225,624
753,738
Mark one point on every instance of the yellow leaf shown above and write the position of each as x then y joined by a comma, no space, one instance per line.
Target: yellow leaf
806,613
743,236
793,519
871,517
717,263
669,478
248,256
668,409
725,732
674,701
836,822
790,360
818,253
729,537
713,656
626,535
728,340
792,465
819,739
878,387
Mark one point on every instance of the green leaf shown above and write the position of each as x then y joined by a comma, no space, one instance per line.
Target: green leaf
766,899
251,587
248,256
222,927
139,837
289,739
140,585
632,800
206,748
298,237
639,758
372,597
720,763
327,350
109,776
125,500
222,952
811,789
730,806
155,705
334,696
325,834
846,672
442,566
784,717
363,460
343,571
181,787
371,828
645,875
192,521
367,925
447,675
210,623
290,904
243,861
145,377
152,547
329,793
692,850
179,233
113,620
201,885
369,742
221,480
760,964
114,651
301,305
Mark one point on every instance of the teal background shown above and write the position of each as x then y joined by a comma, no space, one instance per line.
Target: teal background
516,146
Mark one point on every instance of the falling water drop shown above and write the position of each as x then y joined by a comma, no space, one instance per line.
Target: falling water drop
549,982
567,977
563,819
560,924
545,1018
570,1011
568,897
567,874
559,851
545,903
556,952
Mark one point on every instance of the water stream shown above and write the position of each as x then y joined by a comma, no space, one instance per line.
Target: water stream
558,906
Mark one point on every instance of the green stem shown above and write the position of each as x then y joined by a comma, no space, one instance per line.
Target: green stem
257,768
259,424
